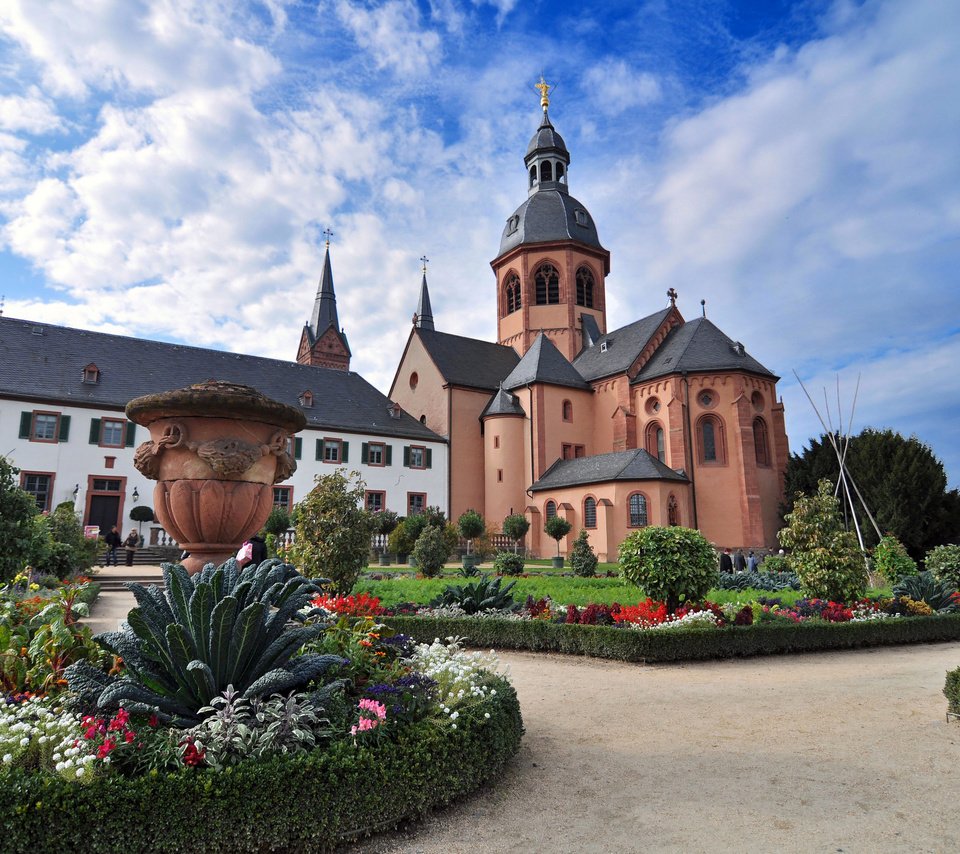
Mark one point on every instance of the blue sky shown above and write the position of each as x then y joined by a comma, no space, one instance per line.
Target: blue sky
167,168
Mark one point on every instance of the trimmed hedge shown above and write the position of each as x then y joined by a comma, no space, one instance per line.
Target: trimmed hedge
310,803
951,690
680,644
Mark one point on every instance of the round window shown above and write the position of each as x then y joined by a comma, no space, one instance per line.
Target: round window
757,400
414,379
707,399
653,405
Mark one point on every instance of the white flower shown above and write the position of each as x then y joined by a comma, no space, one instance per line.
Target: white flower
486,715
7,758
79,772
24,741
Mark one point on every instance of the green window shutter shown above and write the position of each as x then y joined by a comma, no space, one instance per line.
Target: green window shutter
344,451
428,457
364,452
388,455
64,428
297,448
319,449
406,455
26,422
131,431
94,431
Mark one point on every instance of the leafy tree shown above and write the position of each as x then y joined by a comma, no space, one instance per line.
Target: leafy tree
431,551
557,527
69,552
385,522
823,554
20,539
890,559
471,525
515,527
277,522
671,564
901,480
333,530
583,561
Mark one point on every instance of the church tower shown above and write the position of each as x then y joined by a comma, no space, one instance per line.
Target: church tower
323,343
551,268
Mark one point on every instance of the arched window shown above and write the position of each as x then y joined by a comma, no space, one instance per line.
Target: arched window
589,512
638,510
547,281
673,511
560,176
655,441
585,287
533,175
711,442
760,443
550,510
546,171
567,410
511,293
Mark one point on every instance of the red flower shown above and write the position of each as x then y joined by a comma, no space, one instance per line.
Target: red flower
154,721
129,736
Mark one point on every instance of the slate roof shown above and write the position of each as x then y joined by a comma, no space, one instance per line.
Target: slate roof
43,362
503,403
424,311
547,139
548,215
621,465
468,361
622,347
698,345
544,363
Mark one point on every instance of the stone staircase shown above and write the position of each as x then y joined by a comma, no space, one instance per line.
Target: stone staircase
148,556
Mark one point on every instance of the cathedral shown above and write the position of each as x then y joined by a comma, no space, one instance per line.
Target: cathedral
663,421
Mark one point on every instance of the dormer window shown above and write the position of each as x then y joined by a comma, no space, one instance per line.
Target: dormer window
603,346
394,410
306,399
513,224
91,374
581,217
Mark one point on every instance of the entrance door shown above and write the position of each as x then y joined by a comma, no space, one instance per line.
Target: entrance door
104,511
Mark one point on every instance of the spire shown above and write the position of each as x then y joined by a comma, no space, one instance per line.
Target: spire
325,305
424,315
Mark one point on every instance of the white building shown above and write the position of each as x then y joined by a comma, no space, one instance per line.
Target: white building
63,393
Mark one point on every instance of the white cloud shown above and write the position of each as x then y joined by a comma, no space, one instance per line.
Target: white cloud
32,113
615,87
390,33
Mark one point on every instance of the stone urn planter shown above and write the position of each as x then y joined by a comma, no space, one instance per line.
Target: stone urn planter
216,449
556,562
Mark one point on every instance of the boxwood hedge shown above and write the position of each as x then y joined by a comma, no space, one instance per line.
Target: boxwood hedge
310,803
680,644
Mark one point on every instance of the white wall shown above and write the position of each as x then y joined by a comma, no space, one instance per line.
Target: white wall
73,462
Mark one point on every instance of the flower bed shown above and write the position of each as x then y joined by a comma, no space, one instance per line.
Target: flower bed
236,688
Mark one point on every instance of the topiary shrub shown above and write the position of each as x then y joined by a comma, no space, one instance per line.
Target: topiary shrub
508,563
944,562
515,527
431,551
891,561
670,564
470,525
824,555
951,690
582,559
557,528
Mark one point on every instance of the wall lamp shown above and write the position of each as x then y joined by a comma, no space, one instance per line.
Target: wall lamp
136,495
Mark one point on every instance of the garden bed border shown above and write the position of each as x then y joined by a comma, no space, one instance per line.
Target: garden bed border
679,644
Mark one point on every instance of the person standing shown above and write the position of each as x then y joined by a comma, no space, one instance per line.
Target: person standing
751,562
113,541
726,564
739,561
131,544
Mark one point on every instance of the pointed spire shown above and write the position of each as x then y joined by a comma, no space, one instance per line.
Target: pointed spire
325,305
424,315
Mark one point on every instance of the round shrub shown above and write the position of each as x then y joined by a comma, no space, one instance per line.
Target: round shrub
670,564
890,559
944,563
471,526
431,551
515,527
582,559
557,527
774,564
508,563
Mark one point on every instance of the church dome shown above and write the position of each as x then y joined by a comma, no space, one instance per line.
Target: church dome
546,138
546,216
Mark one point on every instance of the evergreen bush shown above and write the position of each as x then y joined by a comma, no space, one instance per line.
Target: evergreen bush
277,522
891,561
515,527
951,690
824,555
508,563
470,525
21,541
582,559
431,551
944,562
670,564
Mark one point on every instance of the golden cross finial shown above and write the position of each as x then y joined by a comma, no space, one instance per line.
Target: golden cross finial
424,260
545,90
328,234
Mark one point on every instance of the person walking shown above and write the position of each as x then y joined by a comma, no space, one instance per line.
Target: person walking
113,541
751,562
739,561
726,564
131,544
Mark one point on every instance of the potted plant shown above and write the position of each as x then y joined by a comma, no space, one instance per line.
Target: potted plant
470,525
384,524
515,527
557,527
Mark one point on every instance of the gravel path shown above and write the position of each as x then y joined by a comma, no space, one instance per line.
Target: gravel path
831,752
